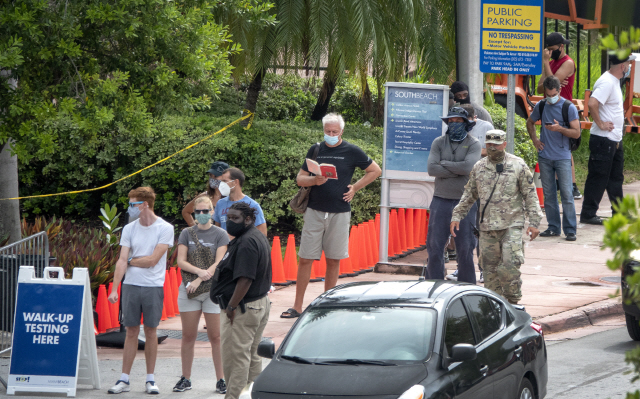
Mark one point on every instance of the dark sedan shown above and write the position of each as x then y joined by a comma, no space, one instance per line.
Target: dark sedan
407,340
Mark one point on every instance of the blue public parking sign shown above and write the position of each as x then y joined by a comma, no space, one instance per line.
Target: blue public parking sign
511,36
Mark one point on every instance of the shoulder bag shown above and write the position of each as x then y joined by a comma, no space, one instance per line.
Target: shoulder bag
202,258
299,202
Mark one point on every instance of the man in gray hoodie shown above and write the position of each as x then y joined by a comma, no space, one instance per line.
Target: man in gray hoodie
451,159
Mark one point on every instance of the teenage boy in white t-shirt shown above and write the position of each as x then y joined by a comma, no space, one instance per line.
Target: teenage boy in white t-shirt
606,160
143,257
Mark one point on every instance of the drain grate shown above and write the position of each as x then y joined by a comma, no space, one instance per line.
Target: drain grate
202,336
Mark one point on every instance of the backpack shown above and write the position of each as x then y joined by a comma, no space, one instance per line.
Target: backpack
574,144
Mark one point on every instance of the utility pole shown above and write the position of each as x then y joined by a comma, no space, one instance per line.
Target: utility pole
468,32
9,210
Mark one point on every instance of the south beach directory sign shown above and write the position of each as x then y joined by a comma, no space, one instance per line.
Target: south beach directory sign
412,120
511,36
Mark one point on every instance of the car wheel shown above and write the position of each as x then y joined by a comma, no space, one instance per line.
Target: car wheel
633,327
526,390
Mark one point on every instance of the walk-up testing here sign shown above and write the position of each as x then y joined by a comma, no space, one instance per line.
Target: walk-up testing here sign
511,36
54,346
412,120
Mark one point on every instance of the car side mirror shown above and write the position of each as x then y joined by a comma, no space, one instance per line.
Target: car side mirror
267,349
461,352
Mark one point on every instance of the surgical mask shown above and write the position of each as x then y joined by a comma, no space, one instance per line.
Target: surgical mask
236,229
331,140
214,183
554,99
555,54
203,218
224,188
134,213
626,74
457,131
466,100
495,155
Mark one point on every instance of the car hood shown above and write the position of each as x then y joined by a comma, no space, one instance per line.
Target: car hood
284,377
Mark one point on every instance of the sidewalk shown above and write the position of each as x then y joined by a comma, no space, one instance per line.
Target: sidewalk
563,288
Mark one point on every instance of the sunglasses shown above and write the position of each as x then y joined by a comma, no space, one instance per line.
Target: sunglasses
199,211
132,204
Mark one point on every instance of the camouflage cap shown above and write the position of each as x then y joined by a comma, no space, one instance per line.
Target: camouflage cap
495,137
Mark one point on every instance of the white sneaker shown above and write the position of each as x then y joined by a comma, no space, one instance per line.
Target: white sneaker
121,386
481,280
151,388
453,276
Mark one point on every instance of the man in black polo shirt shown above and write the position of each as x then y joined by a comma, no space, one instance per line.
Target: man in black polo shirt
241,291
328,214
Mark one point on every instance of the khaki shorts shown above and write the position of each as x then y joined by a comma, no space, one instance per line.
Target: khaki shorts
201,302
325,231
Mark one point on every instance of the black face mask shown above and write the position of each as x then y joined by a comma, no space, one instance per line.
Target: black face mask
236,229
466,100
555,54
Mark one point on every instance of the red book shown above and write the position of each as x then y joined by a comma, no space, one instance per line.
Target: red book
327,170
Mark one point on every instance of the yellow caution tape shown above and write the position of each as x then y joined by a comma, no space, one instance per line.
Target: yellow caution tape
248,115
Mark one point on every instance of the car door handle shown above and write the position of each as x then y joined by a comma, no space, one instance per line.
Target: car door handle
484,370
518,351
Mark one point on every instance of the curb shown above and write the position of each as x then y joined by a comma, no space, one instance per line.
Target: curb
583,316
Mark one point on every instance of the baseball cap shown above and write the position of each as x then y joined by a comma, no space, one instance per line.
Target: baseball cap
614,60
218,168
495,136
554,39
456,112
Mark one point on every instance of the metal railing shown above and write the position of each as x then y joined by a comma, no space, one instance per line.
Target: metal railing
30,251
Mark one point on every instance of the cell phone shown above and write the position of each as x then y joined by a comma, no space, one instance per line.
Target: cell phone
548,123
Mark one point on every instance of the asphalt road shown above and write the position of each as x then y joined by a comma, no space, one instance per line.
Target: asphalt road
591,367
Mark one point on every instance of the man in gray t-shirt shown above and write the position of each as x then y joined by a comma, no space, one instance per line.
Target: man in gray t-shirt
451,159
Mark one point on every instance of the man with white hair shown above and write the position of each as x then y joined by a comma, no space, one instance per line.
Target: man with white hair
328,214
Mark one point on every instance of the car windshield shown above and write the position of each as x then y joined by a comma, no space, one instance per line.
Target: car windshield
390,334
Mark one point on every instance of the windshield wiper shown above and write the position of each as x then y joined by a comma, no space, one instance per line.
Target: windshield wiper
299,359
359,361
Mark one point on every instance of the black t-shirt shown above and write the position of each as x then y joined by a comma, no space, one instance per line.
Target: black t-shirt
346,157
247,256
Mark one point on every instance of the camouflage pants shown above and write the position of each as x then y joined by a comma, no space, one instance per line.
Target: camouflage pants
502,253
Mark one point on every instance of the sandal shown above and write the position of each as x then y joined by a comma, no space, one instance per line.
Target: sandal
290,313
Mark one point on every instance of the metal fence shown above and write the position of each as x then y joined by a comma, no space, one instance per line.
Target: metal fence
30,251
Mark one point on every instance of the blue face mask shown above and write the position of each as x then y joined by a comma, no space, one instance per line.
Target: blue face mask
457,131
134,213
626,74
331,140
554,99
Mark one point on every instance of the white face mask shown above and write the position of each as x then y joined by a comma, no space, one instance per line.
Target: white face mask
224,188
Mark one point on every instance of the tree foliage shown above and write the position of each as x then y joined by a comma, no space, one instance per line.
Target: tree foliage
105,67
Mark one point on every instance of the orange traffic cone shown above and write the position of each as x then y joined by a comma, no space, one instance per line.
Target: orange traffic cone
174,289
290,259
179,275
315,269
164,314
402,230
394,238
377,222
417,220
277,267
168,295
538,183
374,241
113,309
366,234
102,308
362,246
409,225
345,265
352,261
322,272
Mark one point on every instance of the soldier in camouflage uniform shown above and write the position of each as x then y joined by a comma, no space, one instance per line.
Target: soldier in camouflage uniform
502,215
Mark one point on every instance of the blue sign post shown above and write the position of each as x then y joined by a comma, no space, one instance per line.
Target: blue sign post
53,342
412,120
511,36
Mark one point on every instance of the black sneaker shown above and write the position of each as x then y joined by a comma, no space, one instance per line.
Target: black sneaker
183,385
452,254
576,192
221,386
571,237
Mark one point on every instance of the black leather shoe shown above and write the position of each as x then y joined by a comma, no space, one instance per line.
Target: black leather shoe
571,237
593,220
549,233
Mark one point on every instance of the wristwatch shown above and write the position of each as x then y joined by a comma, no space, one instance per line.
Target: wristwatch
231,308
129,261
